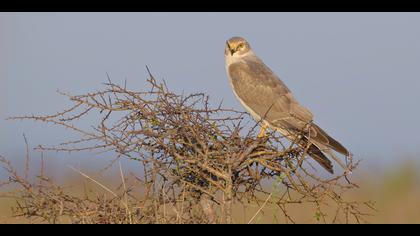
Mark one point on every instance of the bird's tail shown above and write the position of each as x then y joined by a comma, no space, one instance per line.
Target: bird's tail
319,136
320,144
318,156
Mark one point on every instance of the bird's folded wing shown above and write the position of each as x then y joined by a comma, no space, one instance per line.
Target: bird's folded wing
321,137
263,92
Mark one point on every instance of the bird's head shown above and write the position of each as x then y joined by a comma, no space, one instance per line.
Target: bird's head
237,46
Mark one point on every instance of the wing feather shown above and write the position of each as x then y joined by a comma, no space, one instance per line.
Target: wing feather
263,92
320,136
260,90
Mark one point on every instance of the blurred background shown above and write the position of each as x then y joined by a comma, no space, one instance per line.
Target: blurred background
359,73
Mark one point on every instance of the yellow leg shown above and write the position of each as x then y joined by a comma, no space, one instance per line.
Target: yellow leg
262,131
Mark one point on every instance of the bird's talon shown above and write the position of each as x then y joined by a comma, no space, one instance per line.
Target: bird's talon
261,134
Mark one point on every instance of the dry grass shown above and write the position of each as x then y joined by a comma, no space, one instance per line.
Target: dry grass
395,200
200,164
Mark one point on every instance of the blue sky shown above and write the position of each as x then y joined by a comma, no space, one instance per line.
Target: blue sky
359,73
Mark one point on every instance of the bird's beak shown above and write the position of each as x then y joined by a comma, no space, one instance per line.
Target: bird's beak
230,49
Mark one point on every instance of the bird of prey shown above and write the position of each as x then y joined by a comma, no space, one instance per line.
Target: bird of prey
269,100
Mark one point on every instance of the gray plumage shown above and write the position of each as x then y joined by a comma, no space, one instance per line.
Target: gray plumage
266,97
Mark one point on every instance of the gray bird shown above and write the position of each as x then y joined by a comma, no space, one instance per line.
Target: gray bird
269,100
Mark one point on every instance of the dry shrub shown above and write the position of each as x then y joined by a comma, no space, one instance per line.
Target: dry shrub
197,163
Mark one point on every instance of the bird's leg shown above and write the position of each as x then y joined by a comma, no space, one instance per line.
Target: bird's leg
262,131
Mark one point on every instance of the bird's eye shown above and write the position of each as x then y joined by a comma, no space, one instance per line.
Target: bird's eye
240,46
